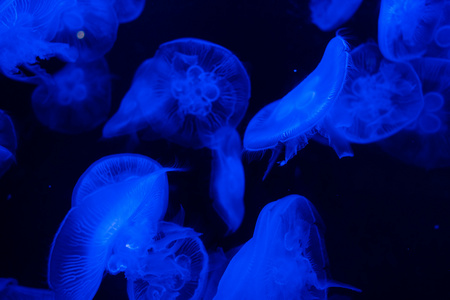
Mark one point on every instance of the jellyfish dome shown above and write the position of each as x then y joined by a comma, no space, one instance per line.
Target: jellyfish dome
76,99
285,259
185,93
128,10
8,142
295,118
129,205
328,15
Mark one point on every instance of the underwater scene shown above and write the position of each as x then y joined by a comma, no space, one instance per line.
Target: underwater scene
225,149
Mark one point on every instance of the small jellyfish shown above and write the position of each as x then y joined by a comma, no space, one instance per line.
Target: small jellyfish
406,28
379,98
76,99
285,259
426,141
10,289
131,204
185,93
128,10
228,178
291,121
328,15
8,143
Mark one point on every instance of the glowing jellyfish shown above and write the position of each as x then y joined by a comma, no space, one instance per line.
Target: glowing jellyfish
8,142
426,141
406,28
128,10
76,99
330,14
379,98
10,289
27,28
228,178
185,93
291,121
285,259
131,204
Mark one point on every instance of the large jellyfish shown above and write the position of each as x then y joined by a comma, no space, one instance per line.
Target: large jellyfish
8,142
76,99
285,259
426,141
291,121
10,289
185,93
27,28
379,98
330,14
227,177
131,203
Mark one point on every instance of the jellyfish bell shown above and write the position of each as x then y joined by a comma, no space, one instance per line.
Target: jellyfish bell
329,15
128,10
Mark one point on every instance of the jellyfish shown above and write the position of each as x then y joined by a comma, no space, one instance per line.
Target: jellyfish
406,28
76,99
227,178
10,289
129,203
426,141
8,142
379,98
185,93
292,120
285,259
27,28
128,10
328,15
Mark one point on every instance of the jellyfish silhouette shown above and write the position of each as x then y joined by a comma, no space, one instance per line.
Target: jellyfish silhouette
291,121
185,93
76,99
406,29
426,141
328,15
285,259
227,177
8,142
131,204
128,10
379,98
27,28
10,289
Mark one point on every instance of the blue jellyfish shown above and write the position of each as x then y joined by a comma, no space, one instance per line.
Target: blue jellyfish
10,289
76,99
228,178
132,205
8,142
406,28
379,98
185,93
291,121
426,141
27,28
285,259
328,15
128,10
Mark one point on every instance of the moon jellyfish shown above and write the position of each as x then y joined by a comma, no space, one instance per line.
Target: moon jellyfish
406,28
426,141
291,121
285,259
8,142
128,10
76,99
227,178
328,15
185,93
10,289
379,98
27,28
131,204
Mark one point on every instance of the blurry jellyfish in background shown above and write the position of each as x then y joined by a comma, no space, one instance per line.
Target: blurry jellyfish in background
172,265
406,28
328,15
128,10
127,208
11,290
8,143
185,93
291,121
76,99
426,141
379,98
285,259
27,28
227,177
